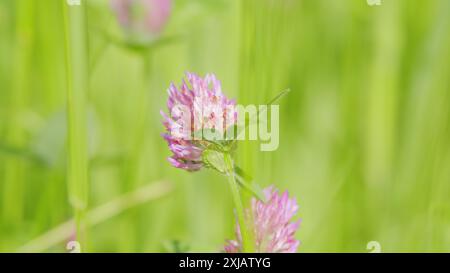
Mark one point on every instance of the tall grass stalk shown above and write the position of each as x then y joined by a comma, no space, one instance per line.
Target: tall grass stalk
14,192
77,86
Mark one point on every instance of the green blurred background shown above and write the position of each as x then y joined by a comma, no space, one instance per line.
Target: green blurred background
364,134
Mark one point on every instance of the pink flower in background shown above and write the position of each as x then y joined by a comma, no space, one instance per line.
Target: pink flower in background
197,104
272,221
148,16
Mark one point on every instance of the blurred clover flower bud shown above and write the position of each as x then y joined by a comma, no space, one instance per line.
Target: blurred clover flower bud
273,230
142,17
197,108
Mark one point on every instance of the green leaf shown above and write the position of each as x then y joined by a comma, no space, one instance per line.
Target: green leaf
247,183
220,145
279,96
215,160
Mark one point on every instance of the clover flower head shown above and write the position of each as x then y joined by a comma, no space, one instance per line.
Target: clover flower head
197,105
142,16
273,229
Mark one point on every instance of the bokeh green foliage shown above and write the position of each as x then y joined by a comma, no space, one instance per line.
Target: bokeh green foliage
364,132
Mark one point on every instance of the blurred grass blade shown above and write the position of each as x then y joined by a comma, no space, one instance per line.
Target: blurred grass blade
98,215
13,192
77,85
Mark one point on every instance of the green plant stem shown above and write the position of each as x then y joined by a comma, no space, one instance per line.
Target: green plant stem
77,85
140,124
246,239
